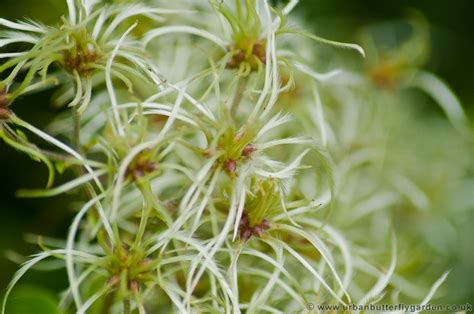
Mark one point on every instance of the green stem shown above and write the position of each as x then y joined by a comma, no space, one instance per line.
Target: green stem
146,192
142,227
26,81
108,303
241,84
77,129
126,306
117,239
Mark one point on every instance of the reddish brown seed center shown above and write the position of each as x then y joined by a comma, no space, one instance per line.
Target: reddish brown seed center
230,166
248,150
135,270
5,114
141,166
80,60
141,169
4,102
247,230
257,54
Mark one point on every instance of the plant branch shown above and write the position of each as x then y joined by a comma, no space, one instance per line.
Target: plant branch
241,84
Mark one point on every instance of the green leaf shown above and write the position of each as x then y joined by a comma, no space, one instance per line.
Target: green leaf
22,135
60,166
30,299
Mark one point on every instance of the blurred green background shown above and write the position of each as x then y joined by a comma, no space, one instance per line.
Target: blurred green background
452,39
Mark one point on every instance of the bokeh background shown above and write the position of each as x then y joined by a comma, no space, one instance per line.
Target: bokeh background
451,57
